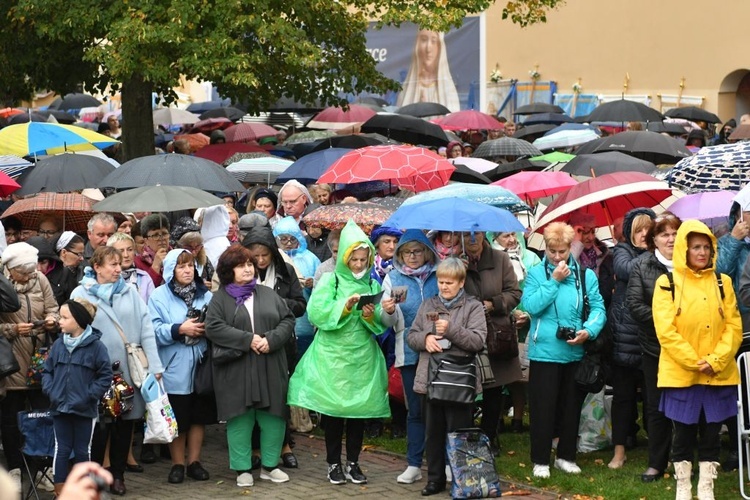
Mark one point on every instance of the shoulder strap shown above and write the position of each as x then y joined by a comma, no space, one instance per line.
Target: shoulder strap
584,296
671,283
122,335
721,284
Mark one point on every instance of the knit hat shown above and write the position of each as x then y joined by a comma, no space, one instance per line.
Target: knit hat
253,219
267,193
183,225
18,254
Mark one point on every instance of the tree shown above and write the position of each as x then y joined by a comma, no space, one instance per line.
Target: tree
254,52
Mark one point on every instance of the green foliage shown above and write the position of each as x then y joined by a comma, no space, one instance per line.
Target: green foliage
527,12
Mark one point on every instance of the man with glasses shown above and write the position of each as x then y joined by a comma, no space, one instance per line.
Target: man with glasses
155,230
293,199
99,228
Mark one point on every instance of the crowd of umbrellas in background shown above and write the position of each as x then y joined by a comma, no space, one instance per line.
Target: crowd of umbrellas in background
553,165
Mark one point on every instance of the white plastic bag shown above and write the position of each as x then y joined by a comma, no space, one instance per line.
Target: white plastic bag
595,429
161,424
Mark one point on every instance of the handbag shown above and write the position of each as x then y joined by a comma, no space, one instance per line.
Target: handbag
137,360
451,378
161,424
8,362
38,358
9,302
223,355
472,465
501,344
486,375
203,382
593,369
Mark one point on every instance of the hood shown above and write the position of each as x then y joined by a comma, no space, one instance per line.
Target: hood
215,222
519,237
288,225
679,258
264,236
351,237
170,262
418,236
627,222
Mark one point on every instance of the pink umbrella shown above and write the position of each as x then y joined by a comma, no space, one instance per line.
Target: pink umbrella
469,119
334,118
211,124
532,185
413,168
246,132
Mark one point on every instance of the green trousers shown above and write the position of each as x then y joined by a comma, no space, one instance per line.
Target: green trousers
240,434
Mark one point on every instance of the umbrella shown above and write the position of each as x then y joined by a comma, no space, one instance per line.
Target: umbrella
372,101
237,157
308,136
60,116
13,166
333,118
574,126
7,185
220,152
649,146
172,170
211,124
405,128
390,202
565,139
365,215
489,195
197,141
548,118
423,109
694,114
77,101
595,165
413,168
607,198
202,107
470,119
505,169
742,132
666,128
354,141
230,112
624,111
533,185
30,117
505,146
711,207
453,214
74,209
533,132
476,164
64,173
714,168
246,132
259,170
157,199
553,157
309,168
465,174
538,107
7,112
173,115
37,138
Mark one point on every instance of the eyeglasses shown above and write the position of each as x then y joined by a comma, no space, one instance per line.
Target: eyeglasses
44,232
77,254
287,203
287,239
412,253
158,236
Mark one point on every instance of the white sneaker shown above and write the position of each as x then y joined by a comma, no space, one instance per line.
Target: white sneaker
43,482
277,475
410,475
16,475
541,471
567,466
244,480
448,474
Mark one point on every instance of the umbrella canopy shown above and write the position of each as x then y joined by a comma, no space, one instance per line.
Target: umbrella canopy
405,128
505,169
574,126
423,109
78,100
565,139
210,124
229,112
334,118
220,152
389,202
413,168
246,132
666,128
596,165
372,101
548,118
202,107
37,138
694,114
30,117
353,141
742,132
606,198
532,132
533,185
7,185
505,146
470,119
172,170
308,136
64,173
259,170
365,215
309,168
73,209
174,115
157,199
453,214
711,207
14,166
467,175
624,111
538,107
649,146
60,116
489,195
196,141
714,168
476,164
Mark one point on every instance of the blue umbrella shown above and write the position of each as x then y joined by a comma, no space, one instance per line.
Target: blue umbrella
311,166
454,214
489,195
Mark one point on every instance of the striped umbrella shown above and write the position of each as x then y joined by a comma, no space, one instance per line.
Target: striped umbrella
40,138
265,169
505,146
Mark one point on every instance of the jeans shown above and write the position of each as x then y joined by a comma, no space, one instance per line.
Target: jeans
414,425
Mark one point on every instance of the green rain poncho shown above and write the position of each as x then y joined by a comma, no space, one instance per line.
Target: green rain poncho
343,372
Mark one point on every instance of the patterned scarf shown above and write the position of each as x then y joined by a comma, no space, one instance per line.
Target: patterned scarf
147,255
382,266
588,258
421,273
446,251
185,292
241,292
103,291
130,275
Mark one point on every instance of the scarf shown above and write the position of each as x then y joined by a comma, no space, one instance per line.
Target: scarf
517,260
667,263
72,342
588,258
421,273
268,276
444,251
130,275
147,255
51,267
185,292
449,303
241,293
103,291
382,266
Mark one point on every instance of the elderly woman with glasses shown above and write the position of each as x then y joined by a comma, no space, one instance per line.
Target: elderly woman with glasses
138,278
155,231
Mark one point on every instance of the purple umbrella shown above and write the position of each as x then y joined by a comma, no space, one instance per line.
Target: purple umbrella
711,207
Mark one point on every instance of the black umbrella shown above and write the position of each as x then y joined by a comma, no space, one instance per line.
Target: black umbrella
694,114
372,101
78,101
555,118
595,165
666,128
64,173
230,112
422,109
172,170
465,174
345,141
624,111
202,107
405,128
505,169
61,116
538,107
650,146
533,132
26,118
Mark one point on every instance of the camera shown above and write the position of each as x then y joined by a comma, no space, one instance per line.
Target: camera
198,314
565,333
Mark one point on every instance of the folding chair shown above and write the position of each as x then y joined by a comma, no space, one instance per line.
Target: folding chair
743,420
38,449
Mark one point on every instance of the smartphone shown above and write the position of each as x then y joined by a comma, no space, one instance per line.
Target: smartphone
38,323
444,343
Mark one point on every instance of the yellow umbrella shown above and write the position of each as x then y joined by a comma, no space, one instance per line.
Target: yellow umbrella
41,138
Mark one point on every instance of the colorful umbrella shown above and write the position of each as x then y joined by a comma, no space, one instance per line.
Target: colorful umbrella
38,138
309,168
174,115
246,132
505,146
157,199
259,170
7,185
533,185
713,168
470,119
489,195
210,124
453,214
73,209
365,215
334,118
413,168
220,152
64,173
14,166
711,207
197,141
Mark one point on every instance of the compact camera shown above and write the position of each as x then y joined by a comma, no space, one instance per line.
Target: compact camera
565,333
198,314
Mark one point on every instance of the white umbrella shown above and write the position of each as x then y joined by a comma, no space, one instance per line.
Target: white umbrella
174,115
565,139
476,164
265,169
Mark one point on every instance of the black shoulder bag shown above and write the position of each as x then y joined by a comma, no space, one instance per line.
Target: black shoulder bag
593,368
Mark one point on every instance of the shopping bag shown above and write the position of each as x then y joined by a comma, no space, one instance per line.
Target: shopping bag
472,465
595,428
161,424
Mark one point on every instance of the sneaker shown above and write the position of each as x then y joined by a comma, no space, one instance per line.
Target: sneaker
567,466
16,475
448,474
410,475
43,482
541,471
354,473
335,474
276,476
244,480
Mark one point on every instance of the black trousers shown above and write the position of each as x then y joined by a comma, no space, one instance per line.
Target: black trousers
686,439
492,409
659,426
334,432
625,384
119,432
554,405
439,420
14,402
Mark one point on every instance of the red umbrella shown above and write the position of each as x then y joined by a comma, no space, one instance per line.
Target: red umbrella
470,119
607,198
334,118
246,132
220,152
365,215
74,209
211,124
7,185
532,185
413,168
